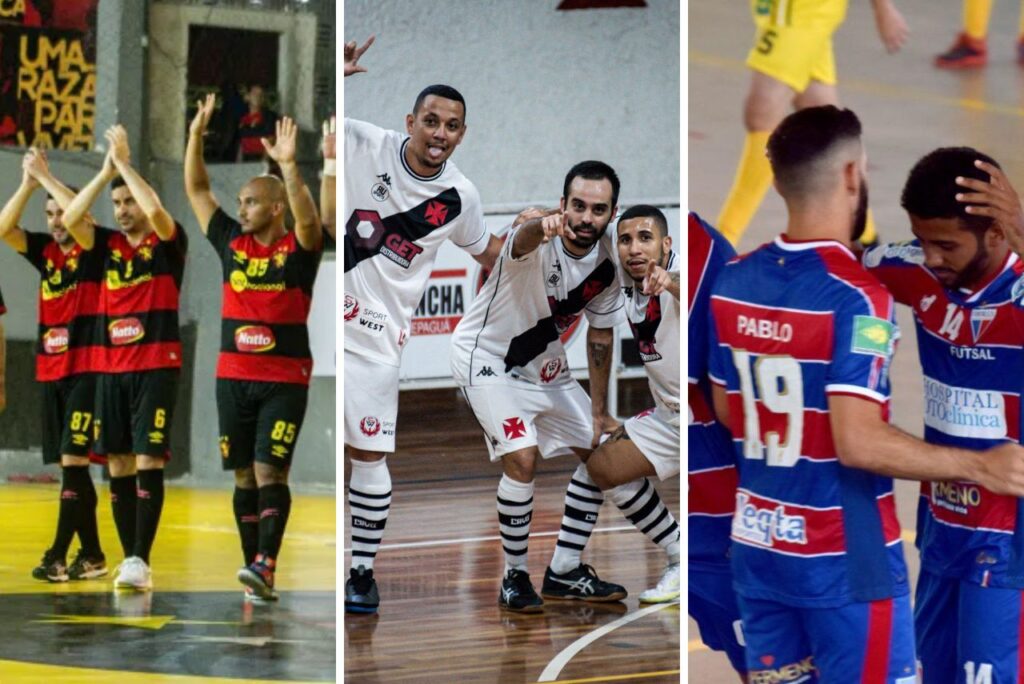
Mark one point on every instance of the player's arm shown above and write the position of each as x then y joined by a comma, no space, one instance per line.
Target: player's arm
10,215
996,199
328,183
864,440
197,181
540,229
142,192
76,213
308,230
36,165
892,27
658,280
352,54
720,403
489,256
599,365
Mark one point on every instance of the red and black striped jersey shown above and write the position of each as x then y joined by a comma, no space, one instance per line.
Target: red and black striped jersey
68,341
139,294
267,293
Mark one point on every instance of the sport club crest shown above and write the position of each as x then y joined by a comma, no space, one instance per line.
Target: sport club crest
981,320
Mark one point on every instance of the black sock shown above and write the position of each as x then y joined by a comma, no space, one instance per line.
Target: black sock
275,504
71,495
123,499
88,533
247,517
151,503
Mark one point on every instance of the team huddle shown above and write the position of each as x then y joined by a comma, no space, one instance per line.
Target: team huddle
109,351
796,564
403,199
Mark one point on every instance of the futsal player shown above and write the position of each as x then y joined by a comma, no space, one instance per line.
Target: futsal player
68,306
792,65
139,346
802,340
403,198
970,49
964,285
508,358
265,363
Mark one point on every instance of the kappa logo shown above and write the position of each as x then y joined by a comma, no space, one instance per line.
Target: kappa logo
369,426
351,307
514,428
486,372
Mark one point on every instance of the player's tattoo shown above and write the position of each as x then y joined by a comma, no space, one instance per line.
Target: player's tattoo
674,276
619,434
599,353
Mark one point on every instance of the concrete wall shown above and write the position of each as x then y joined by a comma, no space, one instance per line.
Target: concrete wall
544,88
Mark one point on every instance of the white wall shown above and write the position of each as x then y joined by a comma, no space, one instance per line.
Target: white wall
544,88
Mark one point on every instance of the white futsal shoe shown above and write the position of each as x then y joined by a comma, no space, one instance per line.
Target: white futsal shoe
667,589
133,573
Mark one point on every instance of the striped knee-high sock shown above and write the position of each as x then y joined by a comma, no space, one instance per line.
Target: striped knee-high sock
369,499
583,500
515,510
639,502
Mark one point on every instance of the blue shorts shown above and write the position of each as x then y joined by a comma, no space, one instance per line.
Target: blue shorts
712,604
862,643
967,633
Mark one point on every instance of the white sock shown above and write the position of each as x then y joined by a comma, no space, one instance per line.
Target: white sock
369,498
515,511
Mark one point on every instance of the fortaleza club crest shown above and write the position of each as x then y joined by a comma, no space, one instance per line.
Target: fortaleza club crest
351,307
369,426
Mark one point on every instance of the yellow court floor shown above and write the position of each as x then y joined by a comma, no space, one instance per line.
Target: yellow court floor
195,626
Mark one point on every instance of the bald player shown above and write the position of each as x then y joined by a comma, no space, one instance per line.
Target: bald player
265,362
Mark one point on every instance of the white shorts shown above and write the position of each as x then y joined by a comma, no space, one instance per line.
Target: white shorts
657,439
514,417
371,403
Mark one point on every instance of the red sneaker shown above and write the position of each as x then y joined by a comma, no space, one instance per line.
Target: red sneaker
965,53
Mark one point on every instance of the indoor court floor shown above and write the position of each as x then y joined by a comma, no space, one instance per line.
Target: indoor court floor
907,108
439,567
195,626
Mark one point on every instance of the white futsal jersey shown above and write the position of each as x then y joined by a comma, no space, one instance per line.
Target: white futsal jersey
655,325
396,221
513,328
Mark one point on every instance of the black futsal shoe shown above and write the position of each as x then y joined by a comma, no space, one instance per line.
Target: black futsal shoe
361,591
51,569
580,584
517,593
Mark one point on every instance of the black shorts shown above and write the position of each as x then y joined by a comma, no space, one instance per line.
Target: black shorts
134,412
259,421
68,416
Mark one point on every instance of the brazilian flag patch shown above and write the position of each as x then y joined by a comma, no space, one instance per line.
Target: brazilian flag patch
872,336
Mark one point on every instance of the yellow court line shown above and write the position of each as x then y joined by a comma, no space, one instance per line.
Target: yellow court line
880,89
618,678
31,673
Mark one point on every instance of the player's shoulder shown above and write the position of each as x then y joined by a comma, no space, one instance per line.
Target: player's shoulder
365,134
907,254
453,177
850,277
705,242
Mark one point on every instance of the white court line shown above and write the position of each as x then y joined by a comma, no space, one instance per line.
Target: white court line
554,668
473,540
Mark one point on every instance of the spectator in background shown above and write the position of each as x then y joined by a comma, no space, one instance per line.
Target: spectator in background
257,123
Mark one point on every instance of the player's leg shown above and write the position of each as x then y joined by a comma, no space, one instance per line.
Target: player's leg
936,626
113,440
864,642
371,414
53,567
645,446
711,602
564,421
152,400
515,513
970,49
76,446
282,408
236,417
990,635
777,648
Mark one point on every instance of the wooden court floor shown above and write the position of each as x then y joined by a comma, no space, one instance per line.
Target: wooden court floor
439,569
195,625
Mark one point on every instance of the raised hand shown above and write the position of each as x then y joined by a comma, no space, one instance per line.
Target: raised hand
892,27
283,149
997,199
117,139
329,137
656,279
352,55
556,224
204,110
34,165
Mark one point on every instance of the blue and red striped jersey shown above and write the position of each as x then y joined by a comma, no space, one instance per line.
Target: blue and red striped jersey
711,461
791,324
971,353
